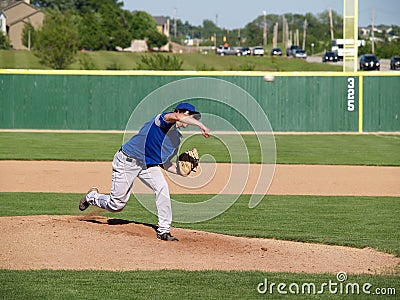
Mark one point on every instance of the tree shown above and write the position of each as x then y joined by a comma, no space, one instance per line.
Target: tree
29,35
91,33
143,24
254,33
4,42
115,22
61,5
57,40
156,40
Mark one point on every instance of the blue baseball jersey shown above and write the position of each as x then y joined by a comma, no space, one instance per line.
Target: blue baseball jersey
156,143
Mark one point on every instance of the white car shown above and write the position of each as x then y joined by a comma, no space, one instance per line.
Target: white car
222,50
258,51
300,54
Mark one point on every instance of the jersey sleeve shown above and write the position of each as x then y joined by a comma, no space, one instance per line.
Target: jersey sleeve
160,122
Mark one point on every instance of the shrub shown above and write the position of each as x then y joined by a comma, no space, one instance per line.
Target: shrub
159,62
86,63
4,42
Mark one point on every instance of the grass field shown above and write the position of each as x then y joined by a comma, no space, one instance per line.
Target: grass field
103,60
51,285
365,149
352,221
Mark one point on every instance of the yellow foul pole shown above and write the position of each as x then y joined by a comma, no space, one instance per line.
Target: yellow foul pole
350,35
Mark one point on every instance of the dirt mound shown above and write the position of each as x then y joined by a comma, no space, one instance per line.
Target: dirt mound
98,243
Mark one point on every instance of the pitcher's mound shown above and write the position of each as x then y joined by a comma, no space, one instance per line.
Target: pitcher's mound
98,243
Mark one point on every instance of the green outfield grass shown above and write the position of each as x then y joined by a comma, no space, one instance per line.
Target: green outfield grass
336,149
103,60
45,284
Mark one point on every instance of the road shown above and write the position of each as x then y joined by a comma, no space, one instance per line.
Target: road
385,63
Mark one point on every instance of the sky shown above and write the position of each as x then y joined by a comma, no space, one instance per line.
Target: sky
234,14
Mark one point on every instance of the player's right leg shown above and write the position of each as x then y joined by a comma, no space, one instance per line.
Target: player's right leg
125,170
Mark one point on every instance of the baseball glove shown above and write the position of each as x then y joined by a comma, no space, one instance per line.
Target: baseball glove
187,162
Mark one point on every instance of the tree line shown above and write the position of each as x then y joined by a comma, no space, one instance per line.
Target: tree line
70,25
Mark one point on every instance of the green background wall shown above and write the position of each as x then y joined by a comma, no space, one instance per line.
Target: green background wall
105,101
381,103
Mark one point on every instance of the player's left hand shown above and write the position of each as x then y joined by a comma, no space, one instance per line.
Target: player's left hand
187,162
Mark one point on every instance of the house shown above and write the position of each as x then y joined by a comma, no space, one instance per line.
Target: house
163,27
16,15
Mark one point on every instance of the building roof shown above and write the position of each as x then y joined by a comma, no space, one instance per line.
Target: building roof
160,20
15,4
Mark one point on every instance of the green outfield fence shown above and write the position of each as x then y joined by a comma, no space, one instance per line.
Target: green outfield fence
295,101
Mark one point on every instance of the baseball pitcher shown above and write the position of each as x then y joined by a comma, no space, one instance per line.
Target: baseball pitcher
152,148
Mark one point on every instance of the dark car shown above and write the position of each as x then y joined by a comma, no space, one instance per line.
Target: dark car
369,62
395,62
243,51
292,50
276,52
330,56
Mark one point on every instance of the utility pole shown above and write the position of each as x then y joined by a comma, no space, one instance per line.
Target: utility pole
373,31
304,34
297,37
287,35
265,29
331,23
275,44
175,22
215,41
216,20
283,31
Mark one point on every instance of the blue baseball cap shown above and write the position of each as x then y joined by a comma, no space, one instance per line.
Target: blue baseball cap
190,108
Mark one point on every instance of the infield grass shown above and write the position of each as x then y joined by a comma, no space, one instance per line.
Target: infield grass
333,149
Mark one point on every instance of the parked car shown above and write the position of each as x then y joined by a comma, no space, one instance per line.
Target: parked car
330,56
394,62
258,51
300,54
243,51
369,62
223,50
276,52
292,50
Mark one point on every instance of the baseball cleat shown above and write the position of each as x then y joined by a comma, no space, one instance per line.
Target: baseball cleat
83,204
166,237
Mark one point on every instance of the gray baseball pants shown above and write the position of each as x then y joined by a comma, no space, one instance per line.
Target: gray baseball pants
125,171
